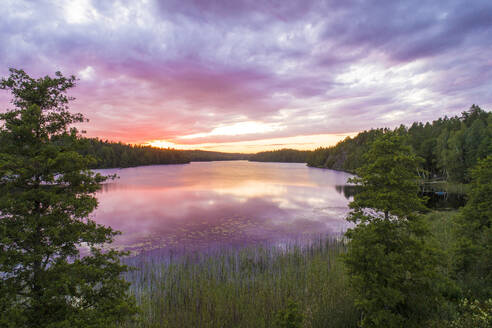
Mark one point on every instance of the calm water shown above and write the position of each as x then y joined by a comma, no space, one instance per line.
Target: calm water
200,205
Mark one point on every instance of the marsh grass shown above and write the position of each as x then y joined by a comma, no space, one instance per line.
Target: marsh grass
244,287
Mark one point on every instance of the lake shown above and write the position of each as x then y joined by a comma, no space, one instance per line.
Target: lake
235,203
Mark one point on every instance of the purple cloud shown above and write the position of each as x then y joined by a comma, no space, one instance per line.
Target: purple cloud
167,69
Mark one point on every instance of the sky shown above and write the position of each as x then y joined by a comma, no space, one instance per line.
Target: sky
246,76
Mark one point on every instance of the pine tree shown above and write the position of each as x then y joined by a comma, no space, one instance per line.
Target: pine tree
474,235
46,198
391,267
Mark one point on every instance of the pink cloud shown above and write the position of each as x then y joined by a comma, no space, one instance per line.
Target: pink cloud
165,69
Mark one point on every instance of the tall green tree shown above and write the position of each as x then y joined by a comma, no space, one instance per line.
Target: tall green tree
448,146
474,235
392,269
46,198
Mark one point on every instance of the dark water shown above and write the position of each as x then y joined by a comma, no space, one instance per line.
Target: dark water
200,205
436,199
444,200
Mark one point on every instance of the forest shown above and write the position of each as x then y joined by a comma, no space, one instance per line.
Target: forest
116,154
109,154
449,147
282,155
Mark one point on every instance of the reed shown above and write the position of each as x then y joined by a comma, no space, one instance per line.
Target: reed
245,287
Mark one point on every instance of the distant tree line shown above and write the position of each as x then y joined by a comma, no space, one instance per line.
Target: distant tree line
282,155
116,154
206,156
449,146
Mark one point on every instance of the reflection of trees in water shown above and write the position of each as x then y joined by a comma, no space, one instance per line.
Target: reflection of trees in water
348,191
111,186
441,199
105,187
436,199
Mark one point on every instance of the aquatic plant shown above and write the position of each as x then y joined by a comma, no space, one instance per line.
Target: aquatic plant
246,287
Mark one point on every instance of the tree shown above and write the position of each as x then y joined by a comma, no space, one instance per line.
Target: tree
390,265
46,197
449,146
474,251
290,317
389,180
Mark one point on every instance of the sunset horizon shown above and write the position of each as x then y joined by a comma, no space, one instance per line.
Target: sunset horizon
306,142
253,76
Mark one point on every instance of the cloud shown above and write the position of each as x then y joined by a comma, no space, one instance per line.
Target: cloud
161,70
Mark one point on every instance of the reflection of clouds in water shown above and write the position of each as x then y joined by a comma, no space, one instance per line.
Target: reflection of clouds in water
250,189
254,203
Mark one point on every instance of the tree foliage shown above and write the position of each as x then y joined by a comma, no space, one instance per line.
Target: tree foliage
388,181
46,197
347,155
281,155
474,235
290,317
473,314
197,155
116,154
449,146
392,267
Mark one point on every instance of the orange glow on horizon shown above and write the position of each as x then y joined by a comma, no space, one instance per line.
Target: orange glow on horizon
309,142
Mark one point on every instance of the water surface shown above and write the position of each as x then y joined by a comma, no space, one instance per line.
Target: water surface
203,204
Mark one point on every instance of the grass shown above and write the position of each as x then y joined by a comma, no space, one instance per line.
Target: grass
244,288
248,287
